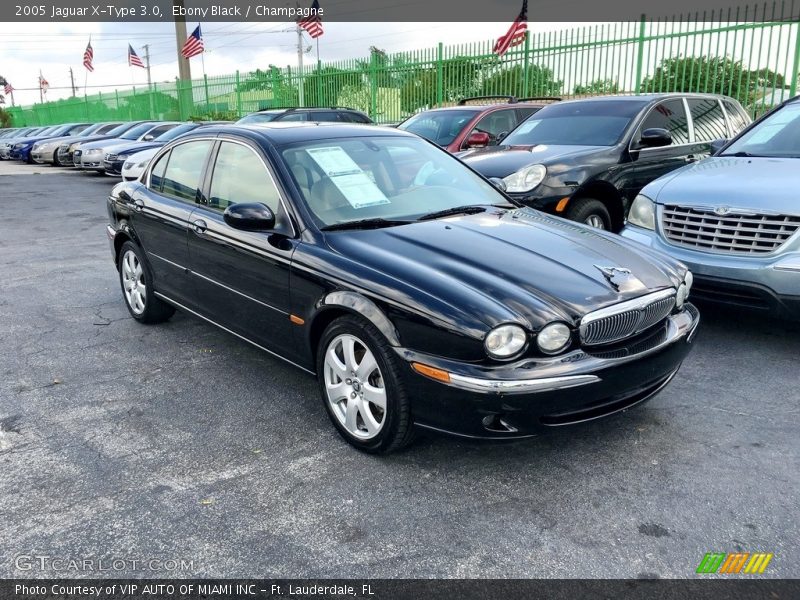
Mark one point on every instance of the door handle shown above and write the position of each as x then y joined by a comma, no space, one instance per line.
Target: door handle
199,226
138,204
691,158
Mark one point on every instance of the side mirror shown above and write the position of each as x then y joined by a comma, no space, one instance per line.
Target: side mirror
656,137
718,145
250,216
149,137
478,139
498,183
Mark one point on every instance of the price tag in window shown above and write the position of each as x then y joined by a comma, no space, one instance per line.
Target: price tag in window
354,184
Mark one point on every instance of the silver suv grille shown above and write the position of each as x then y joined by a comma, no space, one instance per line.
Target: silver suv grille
626,319
732,233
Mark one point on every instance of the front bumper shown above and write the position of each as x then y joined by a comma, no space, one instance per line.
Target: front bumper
91,161
521,398
766,282
113,167
23,154
42,156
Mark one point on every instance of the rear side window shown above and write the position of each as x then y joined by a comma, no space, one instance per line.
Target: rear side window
737,118
182,177
708,119
326,116
354,117
294,116
157,131
669,115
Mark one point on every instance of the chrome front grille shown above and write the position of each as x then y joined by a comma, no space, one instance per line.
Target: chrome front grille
731,233
626,319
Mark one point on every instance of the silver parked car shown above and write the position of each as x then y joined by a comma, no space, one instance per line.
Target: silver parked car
90,155
734,218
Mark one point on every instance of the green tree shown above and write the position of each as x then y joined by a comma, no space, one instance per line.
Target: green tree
598,86
712,74
324,86
5,117
511,81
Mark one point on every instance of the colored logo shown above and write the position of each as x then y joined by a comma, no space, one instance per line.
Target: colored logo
736,562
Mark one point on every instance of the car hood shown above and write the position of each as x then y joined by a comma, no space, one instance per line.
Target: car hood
751,183
104,145
502,161
144,154
500,266
132,147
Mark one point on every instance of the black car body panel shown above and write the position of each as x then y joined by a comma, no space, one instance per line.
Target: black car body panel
613,173
434,289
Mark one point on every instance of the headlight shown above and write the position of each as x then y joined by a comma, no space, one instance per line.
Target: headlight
684,289
94,151
128,164
505,341
643,213
35,147
553,338
72,147
525,179
142,164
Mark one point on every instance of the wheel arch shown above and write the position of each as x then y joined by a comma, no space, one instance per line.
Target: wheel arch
340,303
610,196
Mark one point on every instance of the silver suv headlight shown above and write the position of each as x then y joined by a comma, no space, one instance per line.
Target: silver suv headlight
525,179
505,341
643,213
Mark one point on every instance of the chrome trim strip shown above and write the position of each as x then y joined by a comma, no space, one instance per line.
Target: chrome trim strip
230,289
788,268
241,337
639,303
521,386
168,261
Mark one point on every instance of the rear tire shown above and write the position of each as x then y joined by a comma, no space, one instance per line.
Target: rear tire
590,212
361,388
137,287
56,162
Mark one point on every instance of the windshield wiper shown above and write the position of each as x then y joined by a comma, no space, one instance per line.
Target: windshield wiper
742,154
458,210
375,223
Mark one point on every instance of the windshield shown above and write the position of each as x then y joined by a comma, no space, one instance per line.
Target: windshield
137,131
393,178
777,136
120,129
440,127
92,128
260,117
175,132
583,123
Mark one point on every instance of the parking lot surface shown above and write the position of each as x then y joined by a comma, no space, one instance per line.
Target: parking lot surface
181,442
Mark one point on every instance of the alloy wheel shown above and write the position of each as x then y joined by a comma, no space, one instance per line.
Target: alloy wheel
355,387
133,282
595,221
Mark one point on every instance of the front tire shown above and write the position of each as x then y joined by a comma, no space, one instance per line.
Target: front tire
137,287
361,388
590,212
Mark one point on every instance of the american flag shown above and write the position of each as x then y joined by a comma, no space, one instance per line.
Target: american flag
133,58
193,45
515,34
313,22
8,88
43,85
88,56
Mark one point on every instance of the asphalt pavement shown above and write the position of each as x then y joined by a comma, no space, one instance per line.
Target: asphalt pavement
179,442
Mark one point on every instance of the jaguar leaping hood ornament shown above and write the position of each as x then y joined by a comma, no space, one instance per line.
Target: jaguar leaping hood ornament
621,279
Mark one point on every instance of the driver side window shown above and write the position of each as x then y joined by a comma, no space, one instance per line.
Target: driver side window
496,123
240,176
669,115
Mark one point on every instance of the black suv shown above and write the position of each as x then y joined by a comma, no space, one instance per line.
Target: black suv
587,159
335,114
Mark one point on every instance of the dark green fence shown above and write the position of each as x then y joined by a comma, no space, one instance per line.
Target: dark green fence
751,53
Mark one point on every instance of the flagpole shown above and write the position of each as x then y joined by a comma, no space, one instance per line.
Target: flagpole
41,100
300,86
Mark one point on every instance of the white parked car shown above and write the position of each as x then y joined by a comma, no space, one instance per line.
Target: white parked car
137,163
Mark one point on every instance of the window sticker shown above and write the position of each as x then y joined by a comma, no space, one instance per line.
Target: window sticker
354,184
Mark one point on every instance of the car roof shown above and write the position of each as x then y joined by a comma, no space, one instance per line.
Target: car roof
645,98
280,133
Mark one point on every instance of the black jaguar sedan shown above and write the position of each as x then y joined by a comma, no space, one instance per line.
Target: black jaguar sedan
587,159
416,292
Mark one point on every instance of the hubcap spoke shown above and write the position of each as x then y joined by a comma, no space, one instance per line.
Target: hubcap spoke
351,415
336,365
369,421
367,366
375,395
349,351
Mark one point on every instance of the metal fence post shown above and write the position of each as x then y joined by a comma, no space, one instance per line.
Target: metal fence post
796,69
640,55
439,74
373,84
526,64
238,96
205,84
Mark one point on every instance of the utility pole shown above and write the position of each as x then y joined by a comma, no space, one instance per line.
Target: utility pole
149,83
184,83
300,85
72,82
